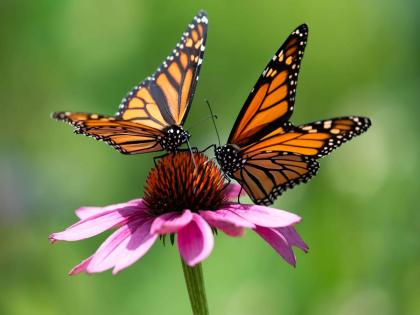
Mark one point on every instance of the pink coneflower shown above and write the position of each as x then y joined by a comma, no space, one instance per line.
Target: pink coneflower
186,203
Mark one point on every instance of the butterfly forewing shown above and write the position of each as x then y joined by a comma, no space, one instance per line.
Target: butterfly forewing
270,103
324,136
315,139
164,98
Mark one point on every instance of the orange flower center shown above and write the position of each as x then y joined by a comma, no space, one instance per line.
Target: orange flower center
176,184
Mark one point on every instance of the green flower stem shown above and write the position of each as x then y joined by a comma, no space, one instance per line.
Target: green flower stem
195,286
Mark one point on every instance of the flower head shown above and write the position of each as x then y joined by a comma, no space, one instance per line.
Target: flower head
175,184
183,200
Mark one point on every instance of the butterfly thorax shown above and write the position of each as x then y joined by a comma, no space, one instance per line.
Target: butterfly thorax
229,157
173,137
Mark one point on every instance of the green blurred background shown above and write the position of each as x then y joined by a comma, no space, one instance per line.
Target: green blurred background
360,217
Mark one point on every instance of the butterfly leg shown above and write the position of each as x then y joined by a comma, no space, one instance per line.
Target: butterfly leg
210,146
239,195
228,181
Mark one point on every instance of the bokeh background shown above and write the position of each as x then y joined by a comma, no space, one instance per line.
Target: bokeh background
361,218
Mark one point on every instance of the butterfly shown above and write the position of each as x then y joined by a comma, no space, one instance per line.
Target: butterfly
265,153
151,116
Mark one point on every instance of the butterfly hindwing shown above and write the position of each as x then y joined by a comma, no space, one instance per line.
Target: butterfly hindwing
164,98
124,136
265,175
270,103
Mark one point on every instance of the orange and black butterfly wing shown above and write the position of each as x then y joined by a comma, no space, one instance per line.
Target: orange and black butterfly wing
125,136
271,101
265,175
331,133
316,139
158,102
287,156
164,98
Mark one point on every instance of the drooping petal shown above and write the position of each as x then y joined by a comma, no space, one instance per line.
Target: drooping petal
227,221
232,191
232,230
80,267
278,242
96,224
86,212
293,238
105,257
123,248
135,247
171,222
195,241
264,216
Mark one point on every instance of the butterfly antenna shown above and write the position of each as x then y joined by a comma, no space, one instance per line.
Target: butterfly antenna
213,118
199,122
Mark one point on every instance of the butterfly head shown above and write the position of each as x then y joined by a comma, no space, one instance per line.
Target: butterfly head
174,136
229,157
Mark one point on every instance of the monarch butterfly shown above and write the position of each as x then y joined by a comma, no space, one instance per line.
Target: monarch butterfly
265,153
151,116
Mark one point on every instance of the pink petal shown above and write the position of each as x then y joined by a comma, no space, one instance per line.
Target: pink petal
232,191
293,238
195,241
86,212
96,224
123,248
105,257
227,221
138,244
80,267
232,230
278,242
264,216
171,222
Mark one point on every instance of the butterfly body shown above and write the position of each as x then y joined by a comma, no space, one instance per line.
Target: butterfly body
151,117
265,153
229,157
174,136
